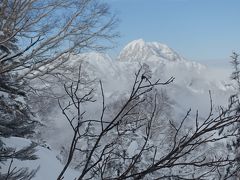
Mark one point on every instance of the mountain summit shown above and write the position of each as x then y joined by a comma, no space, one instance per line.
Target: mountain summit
139,50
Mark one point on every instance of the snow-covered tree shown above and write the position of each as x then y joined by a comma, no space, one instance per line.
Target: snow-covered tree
16,118
234,145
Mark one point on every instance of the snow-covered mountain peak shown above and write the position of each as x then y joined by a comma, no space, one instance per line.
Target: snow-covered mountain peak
140,43
139,50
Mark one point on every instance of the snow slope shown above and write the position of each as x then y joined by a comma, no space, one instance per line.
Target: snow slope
49,165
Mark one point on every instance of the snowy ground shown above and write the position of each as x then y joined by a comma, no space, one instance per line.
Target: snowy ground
49,165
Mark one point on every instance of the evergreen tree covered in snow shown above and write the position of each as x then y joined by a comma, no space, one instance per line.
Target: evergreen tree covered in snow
235,103
16,118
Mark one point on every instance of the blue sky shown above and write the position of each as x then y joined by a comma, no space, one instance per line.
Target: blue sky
202,30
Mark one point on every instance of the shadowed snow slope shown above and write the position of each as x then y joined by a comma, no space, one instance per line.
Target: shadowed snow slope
49,165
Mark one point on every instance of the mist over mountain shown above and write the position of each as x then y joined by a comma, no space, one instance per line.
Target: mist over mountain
192,83
190,89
